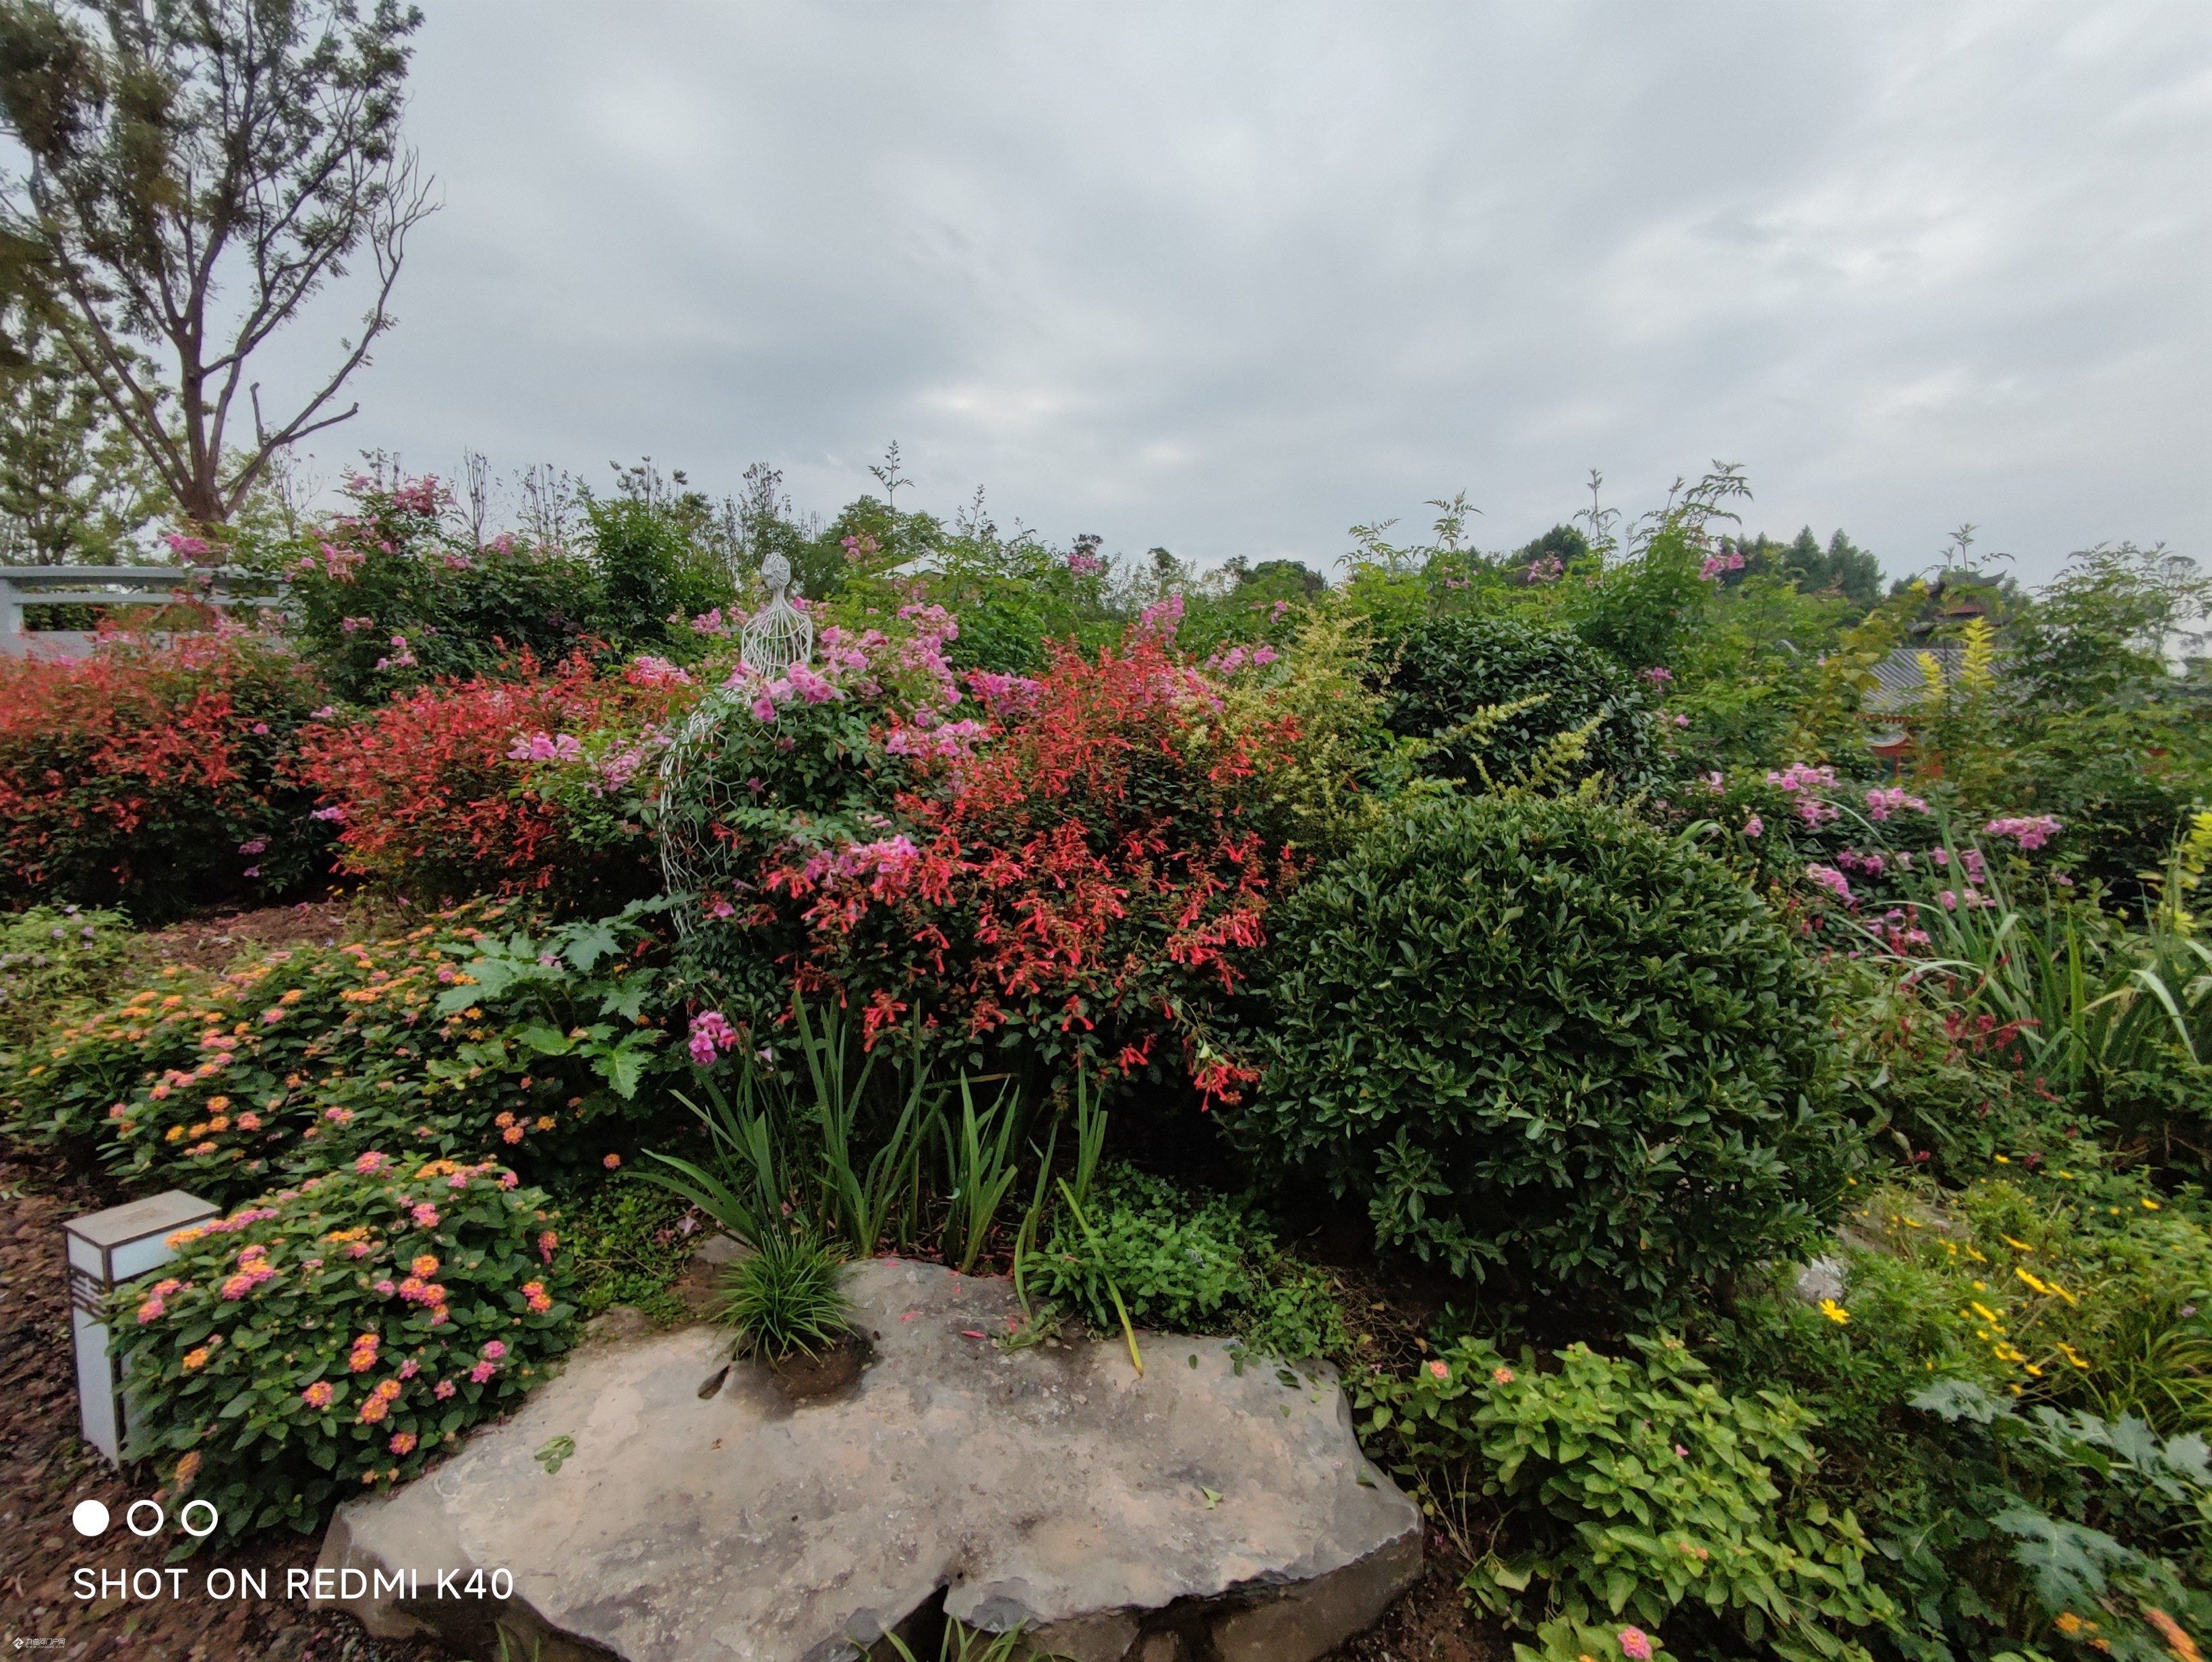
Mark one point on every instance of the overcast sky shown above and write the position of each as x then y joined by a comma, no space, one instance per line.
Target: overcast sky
1228,277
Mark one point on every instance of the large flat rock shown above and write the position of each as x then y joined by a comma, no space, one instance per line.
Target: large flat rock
1196,1512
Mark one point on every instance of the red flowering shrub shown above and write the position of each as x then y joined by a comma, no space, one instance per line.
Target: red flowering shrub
530,784
153,775
1070,875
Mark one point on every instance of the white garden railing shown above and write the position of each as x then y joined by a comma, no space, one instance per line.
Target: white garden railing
22,586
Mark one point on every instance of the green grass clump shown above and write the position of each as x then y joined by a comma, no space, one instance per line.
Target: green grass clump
632,1249
788,1296
54,960
1189,1264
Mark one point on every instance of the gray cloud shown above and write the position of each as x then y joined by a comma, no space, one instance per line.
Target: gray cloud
1230,277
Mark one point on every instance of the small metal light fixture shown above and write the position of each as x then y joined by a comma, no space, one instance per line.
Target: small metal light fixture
107,1249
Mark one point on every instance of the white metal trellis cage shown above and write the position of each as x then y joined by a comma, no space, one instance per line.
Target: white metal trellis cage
694,794
779,635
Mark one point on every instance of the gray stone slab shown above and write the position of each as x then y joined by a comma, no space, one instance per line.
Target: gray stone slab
1051,1487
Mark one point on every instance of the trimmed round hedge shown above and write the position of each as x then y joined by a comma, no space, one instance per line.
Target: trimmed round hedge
1541,1036
1450,667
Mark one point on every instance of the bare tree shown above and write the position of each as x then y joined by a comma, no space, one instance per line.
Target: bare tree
197,170
476,486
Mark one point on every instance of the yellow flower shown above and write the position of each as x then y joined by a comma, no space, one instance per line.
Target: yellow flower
2040,1287
2017,1246
1834,1311
1985,1313
196,1360
2072,1356
2149,1205
2001,1160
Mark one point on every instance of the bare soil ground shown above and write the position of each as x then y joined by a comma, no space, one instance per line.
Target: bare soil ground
1430,1623
212,942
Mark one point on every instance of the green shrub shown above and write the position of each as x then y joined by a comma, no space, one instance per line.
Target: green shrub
1189,1265
52,960
2069,1285
631,1245
1940,1087
1449,668
1335,763
788,1295
2054,1290
336,1336
1540,1035
2061,1530
387,599
655,579
1637,1486
449,1040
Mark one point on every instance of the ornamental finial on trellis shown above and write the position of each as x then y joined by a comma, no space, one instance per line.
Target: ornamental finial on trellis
779,635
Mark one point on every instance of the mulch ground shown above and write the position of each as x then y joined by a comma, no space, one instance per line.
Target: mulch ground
46,1469
1430,1623
211,943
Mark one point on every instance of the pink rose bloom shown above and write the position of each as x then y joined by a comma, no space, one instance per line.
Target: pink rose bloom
409,1368
1438,1370
482,1372
493,1350
317,1395
445,1389
1754,827
1635,1645
426,1216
